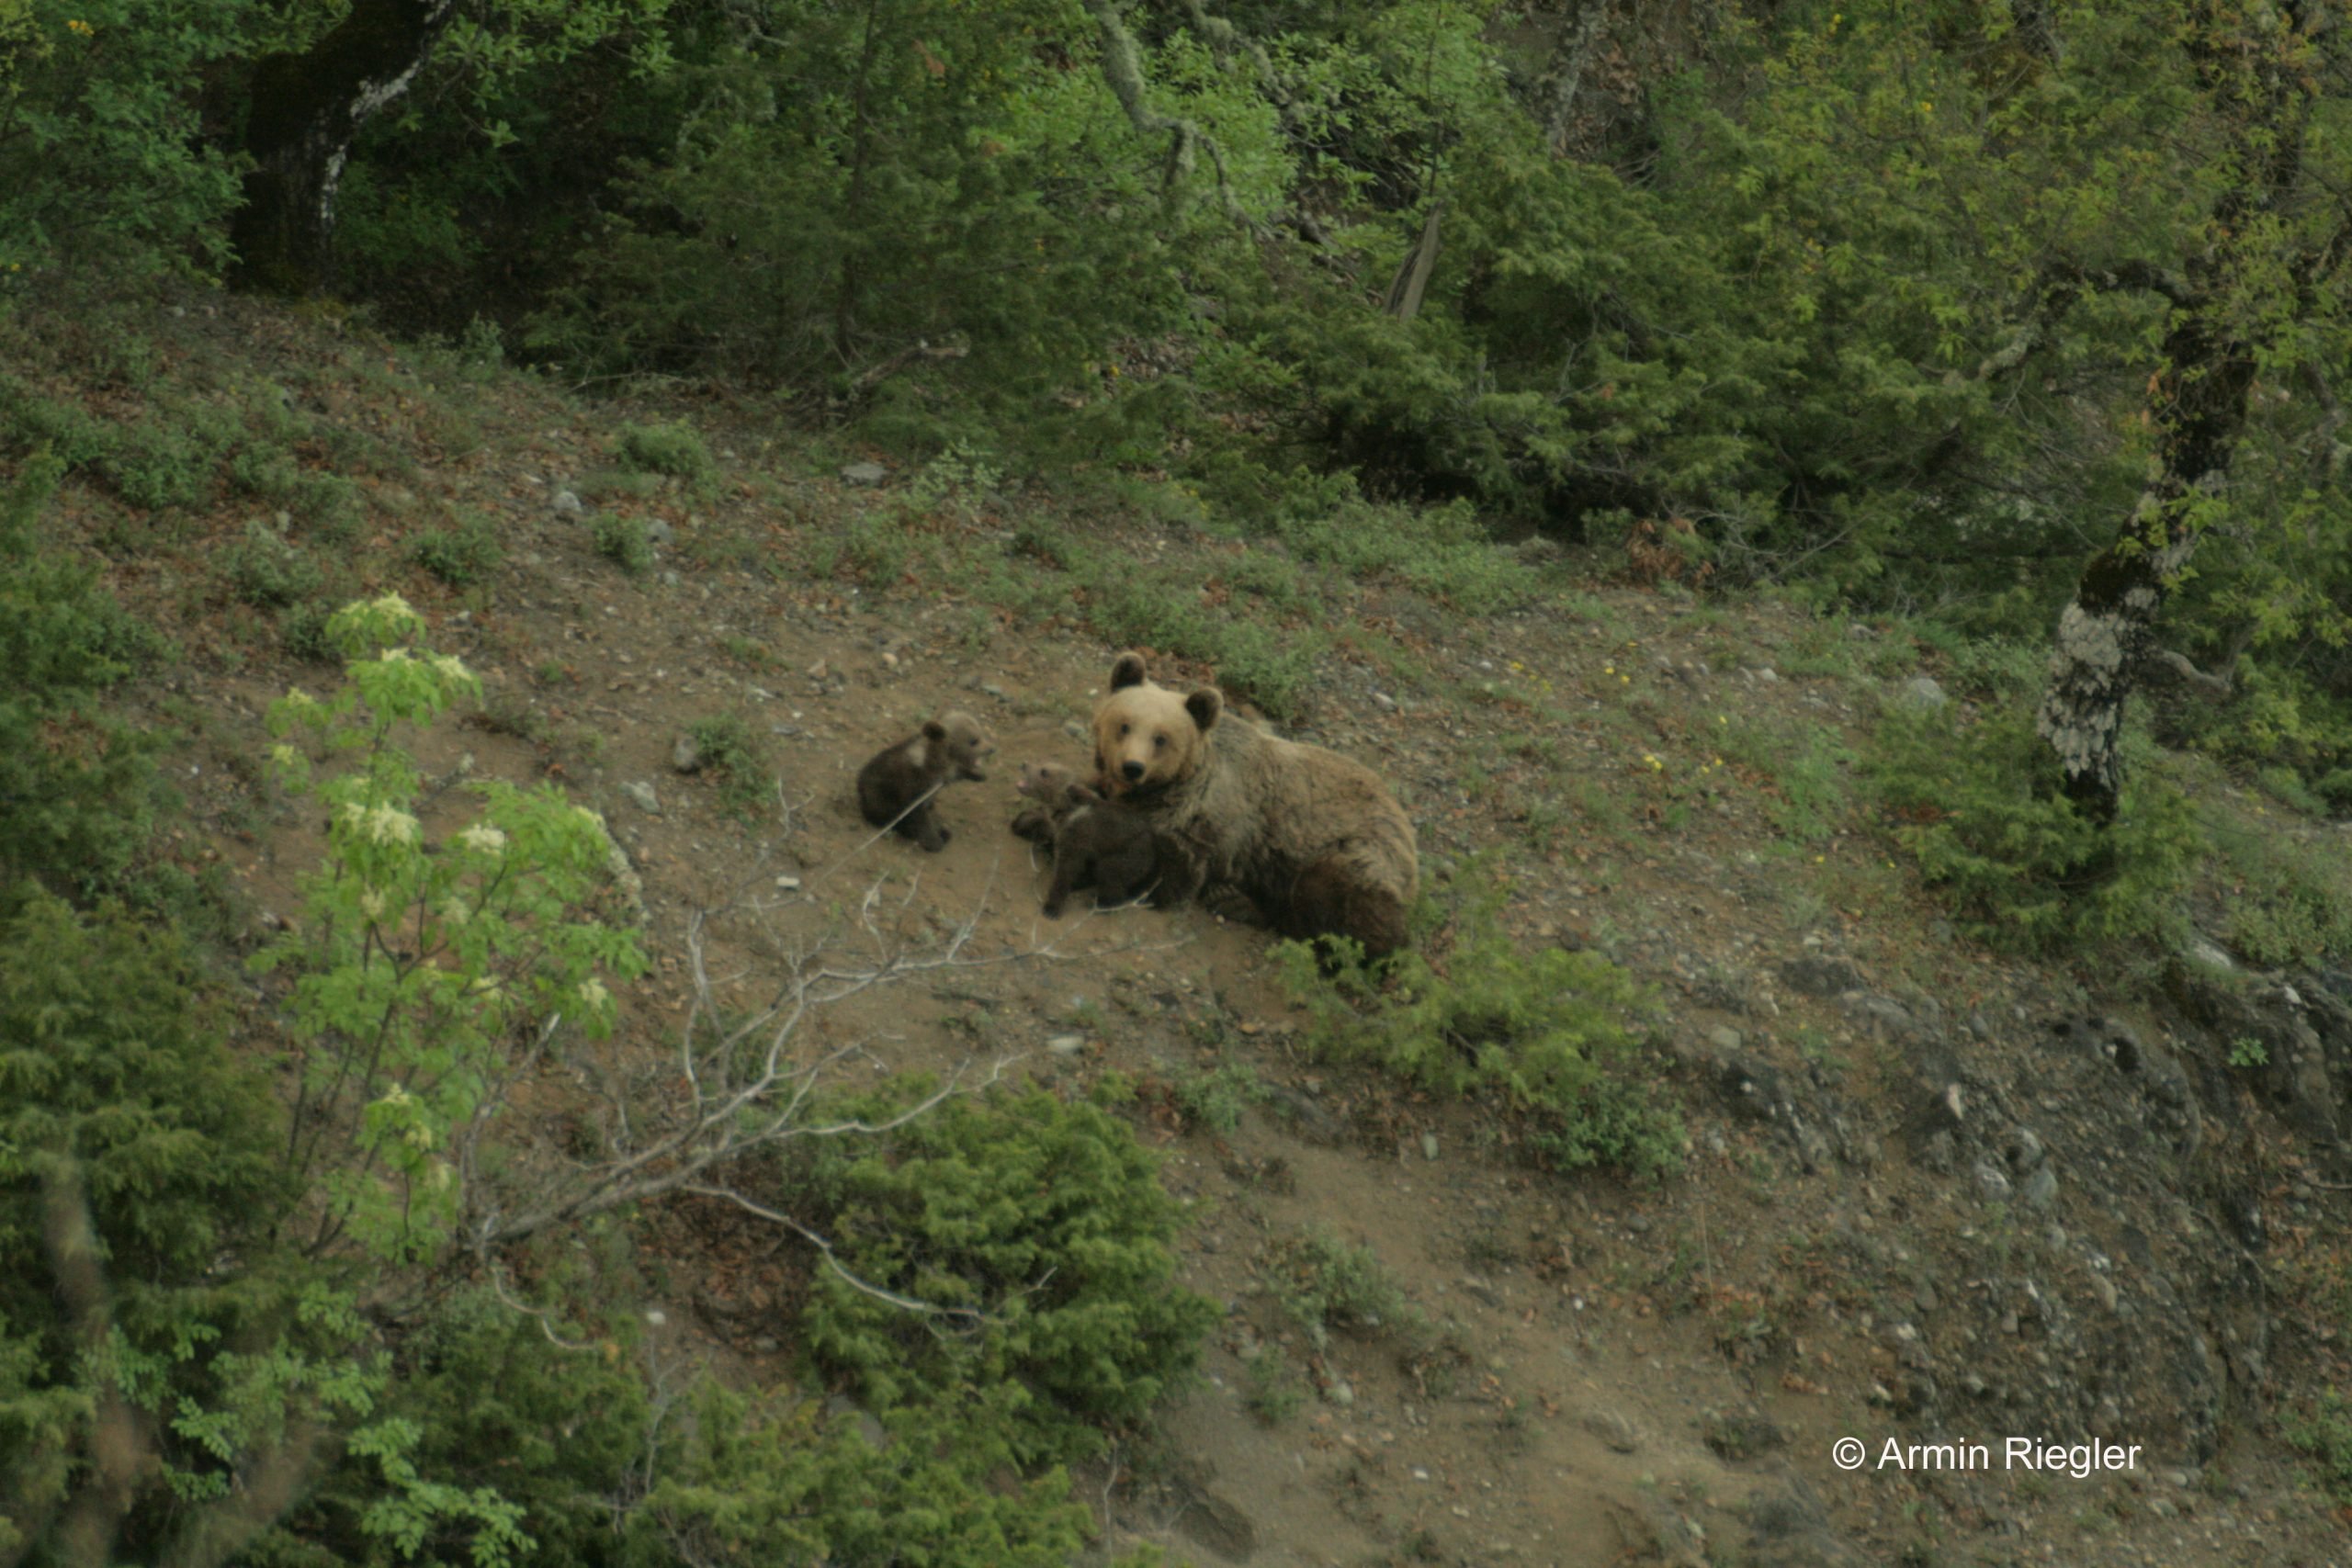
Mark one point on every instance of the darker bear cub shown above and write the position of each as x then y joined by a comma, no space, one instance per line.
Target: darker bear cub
895,789
1097,843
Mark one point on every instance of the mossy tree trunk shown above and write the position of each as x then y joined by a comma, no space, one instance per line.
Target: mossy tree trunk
2229,314
305,109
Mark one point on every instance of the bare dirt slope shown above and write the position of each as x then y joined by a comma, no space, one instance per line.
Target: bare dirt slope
1928,1197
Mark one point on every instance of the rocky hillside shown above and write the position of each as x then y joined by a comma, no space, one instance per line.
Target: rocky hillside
1930,1195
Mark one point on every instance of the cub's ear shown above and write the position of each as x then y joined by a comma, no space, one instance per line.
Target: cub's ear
934,730
1126,672
1204,706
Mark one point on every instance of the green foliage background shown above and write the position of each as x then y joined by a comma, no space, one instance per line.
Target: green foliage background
1861,293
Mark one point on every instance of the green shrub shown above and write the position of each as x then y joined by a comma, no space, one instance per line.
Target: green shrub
269,473
2324,1430
302,631
461,555
622,540
1217,1100
1323,1283
520,1436
153,466
327,506
105,160
266,570
674,449
142,1179
414,965
1978,807
1548,1032
1440,551
77,790
733,752
2291,904
753,1481
1038,1235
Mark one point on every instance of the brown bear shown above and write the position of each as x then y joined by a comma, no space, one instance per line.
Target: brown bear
895,789
1097,843
1313,838
1046,784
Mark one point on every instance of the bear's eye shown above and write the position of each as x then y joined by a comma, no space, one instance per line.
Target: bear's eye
1159,742
1123,731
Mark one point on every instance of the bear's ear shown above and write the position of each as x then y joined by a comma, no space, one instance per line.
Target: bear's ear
1204,706
934,730
1127,670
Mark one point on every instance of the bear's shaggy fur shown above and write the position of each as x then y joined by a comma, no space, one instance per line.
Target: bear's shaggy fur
1314,839
895,789
1097,843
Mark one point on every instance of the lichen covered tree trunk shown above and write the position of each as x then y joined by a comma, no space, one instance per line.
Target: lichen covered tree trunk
2256,67
2197,404
305,110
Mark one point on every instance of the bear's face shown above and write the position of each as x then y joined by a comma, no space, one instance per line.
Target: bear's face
1045,782
1147,735
957,736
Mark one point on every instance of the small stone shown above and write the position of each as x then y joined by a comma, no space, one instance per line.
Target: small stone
563,501
2041,1188
1383,702
645,800
1074,729
1614,1431
1724,1038
685,756
660,531
788,883
1428,1145
868,474
1342,1394
1066,1044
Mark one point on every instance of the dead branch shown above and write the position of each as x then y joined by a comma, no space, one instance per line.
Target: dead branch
2190,676
740,1081
1123,72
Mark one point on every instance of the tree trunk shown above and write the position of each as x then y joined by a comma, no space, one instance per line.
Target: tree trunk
2198,403
1564,74
305,109
2197,400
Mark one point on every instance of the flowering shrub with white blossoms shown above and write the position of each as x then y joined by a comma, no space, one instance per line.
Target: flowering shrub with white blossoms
424,972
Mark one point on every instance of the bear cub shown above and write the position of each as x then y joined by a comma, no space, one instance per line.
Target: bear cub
896,788
1097,843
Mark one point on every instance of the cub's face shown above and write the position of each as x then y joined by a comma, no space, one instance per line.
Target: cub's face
960,736
1145,735
1045,782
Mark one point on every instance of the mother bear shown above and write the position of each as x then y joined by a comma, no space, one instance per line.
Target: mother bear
1315,840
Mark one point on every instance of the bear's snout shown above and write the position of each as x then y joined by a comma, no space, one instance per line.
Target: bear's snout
1131,771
